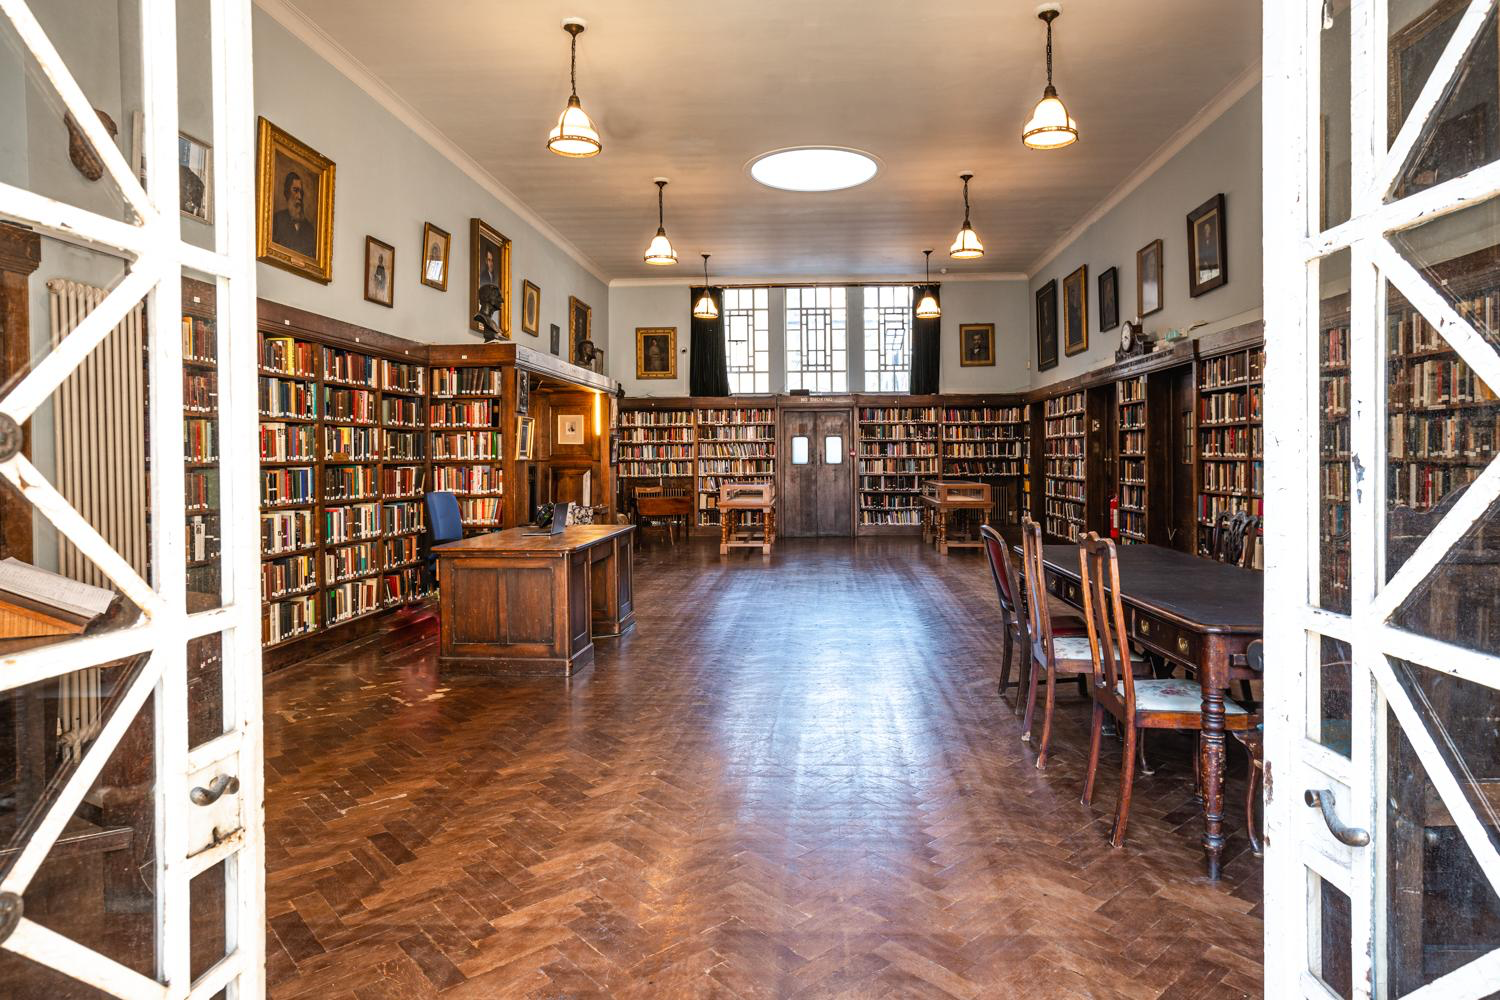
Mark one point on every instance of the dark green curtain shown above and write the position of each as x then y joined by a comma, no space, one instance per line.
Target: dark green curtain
709,374
926,344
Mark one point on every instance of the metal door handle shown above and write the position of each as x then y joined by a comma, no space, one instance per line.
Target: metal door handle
208,796
1348,835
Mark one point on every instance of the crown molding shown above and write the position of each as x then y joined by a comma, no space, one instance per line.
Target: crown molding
341,59
1210,113
802,279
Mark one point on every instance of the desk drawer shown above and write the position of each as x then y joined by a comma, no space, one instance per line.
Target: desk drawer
1065,590
1165,637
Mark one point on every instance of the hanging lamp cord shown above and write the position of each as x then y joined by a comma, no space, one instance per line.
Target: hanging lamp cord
705,273
1049,50
661,218
966,203
573,62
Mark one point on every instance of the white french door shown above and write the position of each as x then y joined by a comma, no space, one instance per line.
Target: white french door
1382,305
131,854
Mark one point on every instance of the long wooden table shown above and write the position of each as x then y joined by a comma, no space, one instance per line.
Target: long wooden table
515,602
1191,611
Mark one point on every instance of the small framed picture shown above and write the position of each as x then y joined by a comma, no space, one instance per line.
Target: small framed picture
556,339
531,308
523,392
195,170
380,266
1075,312
1208,256
656,352
525,436
293,205
1109,299
435,245
489,281
976,343
570,428
1148,274
1046,326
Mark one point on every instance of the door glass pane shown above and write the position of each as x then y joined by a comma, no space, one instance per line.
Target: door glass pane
1442,913
1329,948
1334,467
195,121
1333,121
205,679
799,449
833,449
201,350
1329,714
1462,132
207,895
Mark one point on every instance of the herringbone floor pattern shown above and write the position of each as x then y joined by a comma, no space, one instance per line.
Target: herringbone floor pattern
793,780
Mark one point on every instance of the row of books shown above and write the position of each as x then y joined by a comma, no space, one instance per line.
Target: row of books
906,466
658,419
199,340
351,523
358,443
1231,442
399,376
287,355
349,561
348,367
286,531
1065,489
288,575
1211,505
736,432
1065,405
200,391
959,468
482,444
286,442
1230,406
730,450
898,432
350,600
1467,435
405,446
1436,383
654,452
471,479
735,467
479,510
737,415
356,405
984,432
465,381
281,487
874,518
398,412
898,414
281,398
1061,427
202,531
988,449
986,414
1132,390
200,439
478,414
1133,442
1228,370
288,619
659,435
655,470
403,480
1232,477
348,482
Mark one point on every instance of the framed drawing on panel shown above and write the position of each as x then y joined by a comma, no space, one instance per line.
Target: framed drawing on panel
435,245
531,308
1075,292
1148,274
1046,326
380,271
489,281
293,205
1208,254
656,352
976,345
1109,299
570,428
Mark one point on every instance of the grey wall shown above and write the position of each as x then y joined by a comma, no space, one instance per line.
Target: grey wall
389,182
1003,303
1225,157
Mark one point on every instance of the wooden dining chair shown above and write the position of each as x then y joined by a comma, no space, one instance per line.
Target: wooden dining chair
1049,652
1017,636
1137,703
1253,740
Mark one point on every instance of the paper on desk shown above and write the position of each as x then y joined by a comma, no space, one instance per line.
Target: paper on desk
26,580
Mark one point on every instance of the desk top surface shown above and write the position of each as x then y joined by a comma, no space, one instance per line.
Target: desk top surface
520,541
935,501
1200,593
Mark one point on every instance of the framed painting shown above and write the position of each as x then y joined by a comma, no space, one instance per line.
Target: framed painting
1075,311
1109,299
976,345
531,308
380,271
570,428
580,325
1046,326
556,339
293,205
525,437
656,352
1148,277
195,173
1208,254
435,245
489,281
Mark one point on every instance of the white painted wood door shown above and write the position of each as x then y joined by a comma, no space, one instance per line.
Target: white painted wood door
1382,304
131,854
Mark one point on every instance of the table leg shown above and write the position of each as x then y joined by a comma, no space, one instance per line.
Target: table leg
942,532
1212,750
726,530
770,535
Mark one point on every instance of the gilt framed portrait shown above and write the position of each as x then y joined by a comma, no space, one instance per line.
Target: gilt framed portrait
435,246
1046,326
656,352
1109,299
293,205
580,325
1075,311
380,272
1208,254
976,345
1148,277
531,308
489,281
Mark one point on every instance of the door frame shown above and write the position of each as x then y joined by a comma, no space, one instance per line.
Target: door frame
813,404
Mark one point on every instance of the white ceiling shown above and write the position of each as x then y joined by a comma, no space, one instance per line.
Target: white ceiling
693,89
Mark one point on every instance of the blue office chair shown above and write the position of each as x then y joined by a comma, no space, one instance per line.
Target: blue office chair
443,525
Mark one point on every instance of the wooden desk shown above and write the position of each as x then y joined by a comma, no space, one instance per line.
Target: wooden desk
517,603
942,497
1192,611
738,498
669,508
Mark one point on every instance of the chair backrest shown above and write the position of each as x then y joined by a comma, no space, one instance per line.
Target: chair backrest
1038,614
443,521
1011,607
1109,640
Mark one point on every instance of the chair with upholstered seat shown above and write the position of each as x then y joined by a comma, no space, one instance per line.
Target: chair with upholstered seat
1137,703
1013,609
1049,653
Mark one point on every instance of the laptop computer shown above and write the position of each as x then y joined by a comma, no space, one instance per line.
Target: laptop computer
559,523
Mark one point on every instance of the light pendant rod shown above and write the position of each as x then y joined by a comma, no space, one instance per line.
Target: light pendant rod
575,29
1047,16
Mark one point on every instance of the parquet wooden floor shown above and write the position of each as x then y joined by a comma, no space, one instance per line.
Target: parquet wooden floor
794,779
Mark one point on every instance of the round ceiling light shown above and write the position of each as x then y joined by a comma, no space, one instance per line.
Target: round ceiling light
813,168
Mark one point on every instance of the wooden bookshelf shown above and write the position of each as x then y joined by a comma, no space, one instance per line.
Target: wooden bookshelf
1230,439
899,451
1132,448
989,444
735,444
200,446
1065,475
403,480
657,444
1027,431
468,441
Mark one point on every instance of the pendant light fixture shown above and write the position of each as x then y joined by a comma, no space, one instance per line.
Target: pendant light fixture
928,307
660,251
575,134
1050,127
966,245
704,308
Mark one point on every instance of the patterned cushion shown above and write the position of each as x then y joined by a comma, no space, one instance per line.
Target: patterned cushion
1076,647
1171,694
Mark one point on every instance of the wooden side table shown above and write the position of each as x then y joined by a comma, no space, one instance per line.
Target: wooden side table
739,497
942,497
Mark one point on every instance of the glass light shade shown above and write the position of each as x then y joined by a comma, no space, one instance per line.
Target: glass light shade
704,308
966,245
813,168
575,134
928,308
1050,127
660,251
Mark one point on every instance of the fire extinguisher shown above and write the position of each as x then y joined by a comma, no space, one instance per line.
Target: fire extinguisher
1114,517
